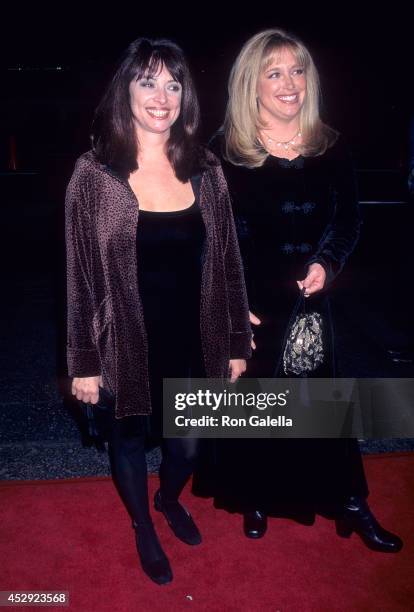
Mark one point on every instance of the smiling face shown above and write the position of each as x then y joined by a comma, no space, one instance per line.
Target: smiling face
155,102
281,88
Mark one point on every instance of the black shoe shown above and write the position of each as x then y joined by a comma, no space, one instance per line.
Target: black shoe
153,559
254,524
358,517
179,519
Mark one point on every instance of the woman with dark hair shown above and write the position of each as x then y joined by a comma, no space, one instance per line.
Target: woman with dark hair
155,281
293,192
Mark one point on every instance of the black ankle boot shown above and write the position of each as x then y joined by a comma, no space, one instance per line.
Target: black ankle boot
179,519
357,517
153,559
254,524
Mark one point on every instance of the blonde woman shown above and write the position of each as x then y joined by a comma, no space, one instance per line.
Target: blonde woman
294,198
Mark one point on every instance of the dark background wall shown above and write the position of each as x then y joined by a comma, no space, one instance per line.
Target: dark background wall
363,54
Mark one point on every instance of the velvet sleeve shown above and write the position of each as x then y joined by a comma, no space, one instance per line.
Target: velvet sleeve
240,332
82,356
342,233
216,145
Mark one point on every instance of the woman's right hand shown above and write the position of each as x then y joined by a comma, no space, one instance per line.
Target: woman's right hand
87,389
254,321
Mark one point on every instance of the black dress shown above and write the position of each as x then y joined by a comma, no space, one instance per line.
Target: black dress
169,264
288,214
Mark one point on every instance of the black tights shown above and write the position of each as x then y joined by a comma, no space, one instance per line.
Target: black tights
129,468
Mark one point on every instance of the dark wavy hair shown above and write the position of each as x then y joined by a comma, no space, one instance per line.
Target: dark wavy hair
114,140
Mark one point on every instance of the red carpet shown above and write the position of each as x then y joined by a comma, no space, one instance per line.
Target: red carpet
75,535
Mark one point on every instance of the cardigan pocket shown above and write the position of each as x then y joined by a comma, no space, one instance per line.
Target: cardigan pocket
104,336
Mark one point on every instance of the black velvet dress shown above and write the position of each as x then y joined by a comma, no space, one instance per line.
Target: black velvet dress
169,263
288,214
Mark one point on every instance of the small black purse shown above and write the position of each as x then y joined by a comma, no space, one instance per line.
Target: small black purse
100,416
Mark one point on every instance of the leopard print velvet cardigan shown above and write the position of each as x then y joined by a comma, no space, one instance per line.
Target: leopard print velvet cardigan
106,333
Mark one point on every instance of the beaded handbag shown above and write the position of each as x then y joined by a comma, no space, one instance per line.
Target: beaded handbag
303,351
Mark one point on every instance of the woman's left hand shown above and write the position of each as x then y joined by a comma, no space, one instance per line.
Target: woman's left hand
314,281
236,367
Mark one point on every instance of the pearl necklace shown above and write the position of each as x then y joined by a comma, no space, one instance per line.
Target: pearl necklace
271,142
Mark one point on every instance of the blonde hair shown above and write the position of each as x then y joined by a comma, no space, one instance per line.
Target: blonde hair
242,120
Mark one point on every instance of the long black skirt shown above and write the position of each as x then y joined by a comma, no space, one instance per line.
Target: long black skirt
281,477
